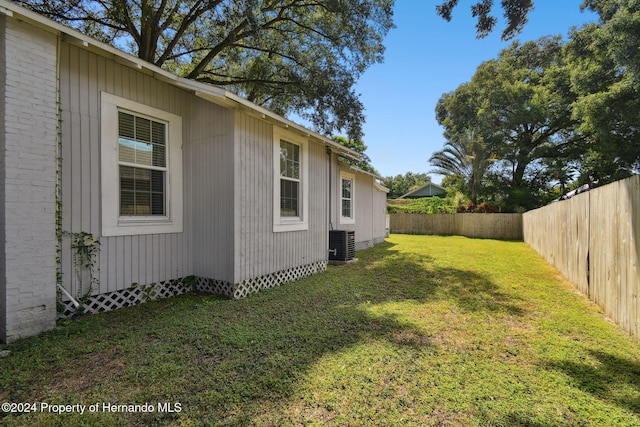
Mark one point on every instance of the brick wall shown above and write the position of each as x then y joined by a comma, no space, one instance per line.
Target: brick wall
28,131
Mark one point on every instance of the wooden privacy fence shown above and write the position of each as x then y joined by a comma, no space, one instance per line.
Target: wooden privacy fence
487,226
593,239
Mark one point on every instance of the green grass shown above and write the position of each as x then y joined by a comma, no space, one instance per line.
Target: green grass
421,331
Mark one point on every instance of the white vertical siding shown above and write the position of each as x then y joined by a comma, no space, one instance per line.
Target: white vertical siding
211,173
123,260
364,208
379,214
258,249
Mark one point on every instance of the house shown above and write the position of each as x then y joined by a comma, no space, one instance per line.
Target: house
121,183
427,190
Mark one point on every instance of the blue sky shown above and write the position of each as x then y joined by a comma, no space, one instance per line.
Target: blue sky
427,57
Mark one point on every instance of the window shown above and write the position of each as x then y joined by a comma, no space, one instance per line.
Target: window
142,165
290,182
347,184
289,179
347,192
141,151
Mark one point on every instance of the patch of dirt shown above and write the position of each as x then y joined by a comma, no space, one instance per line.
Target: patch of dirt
414,339
81,375
441,417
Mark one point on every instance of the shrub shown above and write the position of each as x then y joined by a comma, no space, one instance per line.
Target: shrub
483,207
425,205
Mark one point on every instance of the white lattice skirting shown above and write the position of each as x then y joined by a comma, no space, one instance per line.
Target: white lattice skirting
366,244
171,288
127,297
249,286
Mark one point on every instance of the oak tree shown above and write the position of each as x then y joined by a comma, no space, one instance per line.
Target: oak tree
290,56
604,61
515,13
520,105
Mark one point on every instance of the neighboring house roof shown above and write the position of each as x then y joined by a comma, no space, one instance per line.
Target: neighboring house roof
205,91
427,190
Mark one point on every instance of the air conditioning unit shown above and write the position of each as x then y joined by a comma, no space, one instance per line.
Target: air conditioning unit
342,245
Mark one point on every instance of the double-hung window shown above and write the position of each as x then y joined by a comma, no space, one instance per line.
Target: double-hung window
289,179
291,199
141,175
142,164
347,193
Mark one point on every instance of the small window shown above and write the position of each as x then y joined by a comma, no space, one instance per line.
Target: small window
347,185
289,179
347,196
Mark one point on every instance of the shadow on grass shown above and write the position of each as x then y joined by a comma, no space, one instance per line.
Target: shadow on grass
611,378
406,275
224,360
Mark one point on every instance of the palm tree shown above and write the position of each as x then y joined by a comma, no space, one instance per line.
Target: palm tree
467,156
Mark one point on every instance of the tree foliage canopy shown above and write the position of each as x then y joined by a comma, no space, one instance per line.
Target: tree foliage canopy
359,147
301,56
515,13
519,105
604,62
555,114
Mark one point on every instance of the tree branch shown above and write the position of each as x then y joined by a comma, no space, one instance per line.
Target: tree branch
194,13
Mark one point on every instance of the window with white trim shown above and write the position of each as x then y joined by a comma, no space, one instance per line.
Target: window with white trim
290,204
141,151
347,193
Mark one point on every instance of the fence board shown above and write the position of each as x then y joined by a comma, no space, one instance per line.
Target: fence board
487,226
594,240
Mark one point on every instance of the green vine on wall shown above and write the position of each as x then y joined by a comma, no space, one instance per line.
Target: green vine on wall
58,191
85,246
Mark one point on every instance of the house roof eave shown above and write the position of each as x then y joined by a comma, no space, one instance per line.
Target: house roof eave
376,178
265,114
360,170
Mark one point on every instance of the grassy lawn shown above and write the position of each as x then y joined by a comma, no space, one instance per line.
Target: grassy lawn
423,330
